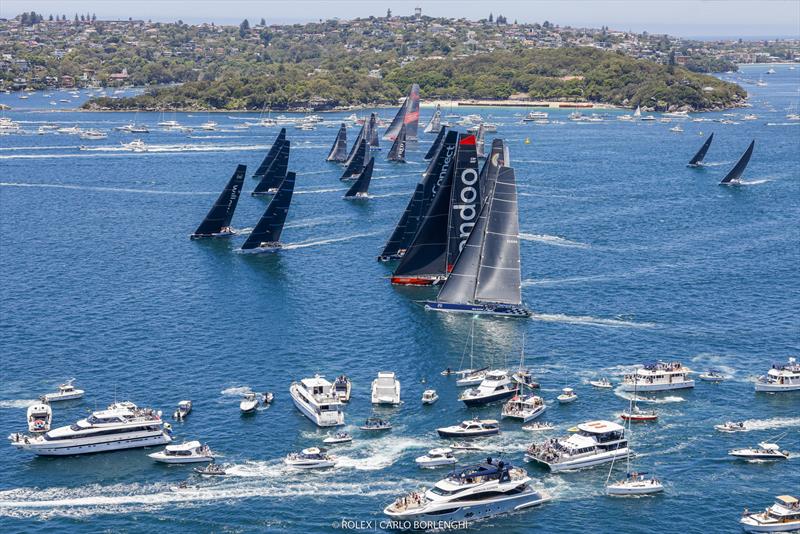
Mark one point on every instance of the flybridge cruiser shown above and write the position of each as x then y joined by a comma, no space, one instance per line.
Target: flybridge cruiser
782,516
184,453
782,377
66,391
317,400
121,426
470,429
217,222
497,386
386,389
658,376
40,416
595,443
523,407
310,458
475,492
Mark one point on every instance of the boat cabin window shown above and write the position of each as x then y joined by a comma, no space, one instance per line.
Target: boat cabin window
439,491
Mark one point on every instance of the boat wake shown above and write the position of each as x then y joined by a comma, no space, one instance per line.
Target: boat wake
16,403
755,182
768,424
587,320
106,189
306,244
552,240
235,391
668,399
308,191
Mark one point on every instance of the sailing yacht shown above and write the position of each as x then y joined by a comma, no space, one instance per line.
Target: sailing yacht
407,115
360,187
398,151
734,177
217,222
261,170
356,164
275,173
338,151
435,124
266,234
317,399
697,159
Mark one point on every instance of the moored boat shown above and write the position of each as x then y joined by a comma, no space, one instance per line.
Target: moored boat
184,409
386,389
429,396
66,391
318,401
781,377
184,453
658,376
437,458
782,516
470,429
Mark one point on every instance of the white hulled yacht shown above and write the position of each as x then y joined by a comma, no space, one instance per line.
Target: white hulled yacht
595,443
782,516
497,386
658,376
475,492
121,426
317,400
782,377
386,389
524,407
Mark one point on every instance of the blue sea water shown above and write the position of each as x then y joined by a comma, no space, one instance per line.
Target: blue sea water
627,255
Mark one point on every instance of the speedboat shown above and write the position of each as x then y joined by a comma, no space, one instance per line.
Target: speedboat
184,408
311,458
339,437
429,396
342,387
712,375
782,516
635,484
210,470
497,386
730,426
66,391
317,400
93,135
782,377
637,415
603,383
765,451
594,443
386,389
137,145
40,416
523,407
472,378
208,126
122,426
475,492
470,429
538,427
249,403
568,395
658,376
437,458
376,423
676,129
184,453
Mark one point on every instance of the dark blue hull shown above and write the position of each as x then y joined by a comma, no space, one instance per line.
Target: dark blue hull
503,310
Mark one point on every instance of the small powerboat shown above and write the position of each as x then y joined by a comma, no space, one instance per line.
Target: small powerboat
184,408
184,453
568,395
249,403
40,415
712,375
267,397
538,427
429,396
730,426
342,387
376,423
437,458
66,391
637,415
603,383
470,429
311,458
635,484
765,451
210,470
339,437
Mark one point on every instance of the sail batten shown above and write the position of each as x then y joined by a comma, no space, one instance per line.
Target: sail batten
220,215
338,151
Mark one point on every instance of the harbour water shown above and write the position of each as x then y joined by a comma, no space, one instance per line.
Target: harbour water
627,255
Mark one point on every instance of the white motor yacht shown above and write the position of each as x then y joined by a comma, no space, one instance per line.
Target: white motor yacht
635,484
249,403
538,427
211,470
470,429
475,492
311,458
317,400
595,443
121,426
339,437
764,451
66,391
137,145
429,396
603,383
497,386
93,135
342,387
208,126
730,426
8,126
437,458
386,389
658,376
535,116
782,377
184,408
40,415
782,516
567,395
712,375
184,453
523,407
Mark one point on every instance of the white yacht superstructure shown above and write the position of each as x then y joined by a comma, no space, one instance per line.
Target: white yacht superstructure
782,516
386,389
524,407
497,386
595,443
658,376
66,391
782,377
317,400
39,417
184,453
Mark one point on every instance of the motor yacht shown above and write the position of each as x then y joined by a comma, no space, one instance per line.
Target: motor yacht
93,135
594,443
437,458
386,389
782,377
40,415
538,427
184,453
497,386
184,408
635,483
317,400
137,145
342,387
782,516
339,437
66,392
676,129
764,451
249,403
464,446
475,492
730,426
429,396
310,458
472,378
523,407
658,376
376,423
603,383
208,126
470,429
535,116
211,470
567,395
8,126
121,426
712,375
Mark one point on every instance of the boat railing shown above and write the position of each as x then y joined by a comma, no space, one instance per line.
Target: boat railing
412,500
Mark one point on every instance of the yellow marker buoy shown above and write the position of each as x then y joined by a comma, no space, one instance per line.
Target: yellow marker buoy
527,140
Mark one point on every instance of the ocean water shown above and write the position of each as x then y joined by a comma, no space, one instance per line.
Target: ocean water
628,256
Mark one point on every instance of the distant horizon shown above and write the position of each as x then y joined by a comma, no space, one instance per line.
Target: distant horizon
751,20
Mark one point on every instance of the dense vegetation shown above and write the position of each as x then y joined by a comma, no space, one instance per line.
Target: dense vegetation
575,74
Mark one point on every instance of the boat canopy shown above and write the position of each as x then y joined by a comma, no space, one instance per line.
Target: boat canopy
188,446
600,427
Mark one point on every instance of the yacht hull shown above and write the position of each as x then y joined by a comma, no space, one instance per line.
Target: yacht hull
775,388
622,490
580,463
499,310
301,405
134,442
754,525
488,399
640,386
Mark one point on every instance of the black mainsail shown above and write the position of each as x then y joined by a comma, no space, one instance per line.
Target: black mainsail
338,151
361,185
218,220
734,177
435,124
697,160
498,158
465,204
436,144
273,152
267,232
275,173
361,135
408,114
398,151
356,164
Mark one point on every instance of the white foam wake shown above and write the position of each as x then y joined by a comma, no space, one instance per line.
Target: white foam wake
552,240
767,424
235,391
587,320
106,189
16,403
305,244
